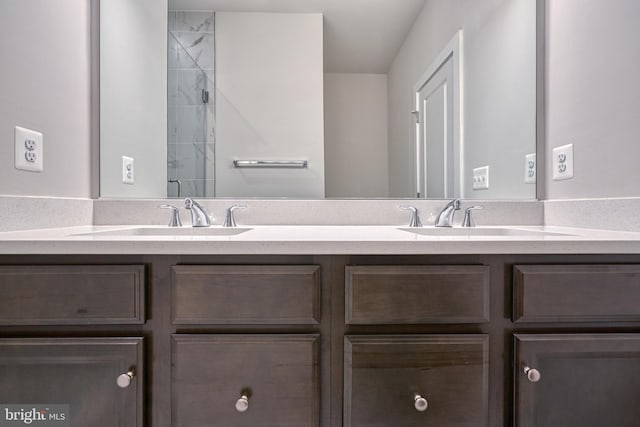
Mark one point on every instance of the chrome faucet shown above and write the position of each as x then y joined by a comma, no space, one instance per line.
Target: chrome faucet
199,217
415,216
468,219
445,217
229,220
175,215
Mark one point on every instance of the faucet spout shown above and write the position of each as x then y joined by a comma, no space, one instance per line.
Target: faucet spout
445,217
199,217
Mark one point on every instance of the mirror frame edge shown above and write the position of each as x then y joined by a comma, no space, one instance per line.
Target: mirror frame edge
541,90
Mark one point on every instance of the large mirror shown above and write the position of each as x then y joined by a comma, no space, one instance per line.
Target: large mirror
316,99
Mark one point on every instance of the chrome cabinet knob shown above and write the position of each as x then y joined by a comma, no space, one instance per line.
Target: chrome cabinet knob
420,403
242,404
124,380
533,375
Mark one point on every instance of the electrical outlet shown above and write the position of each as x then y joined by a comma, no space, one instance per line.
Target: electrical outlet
28,150
481,178
530,168
127,170
563,162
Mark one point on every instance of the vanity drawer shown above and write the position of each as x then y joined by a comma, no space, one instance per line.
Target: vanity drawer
71,294
245,294
385,376
416,294
278,375
576,293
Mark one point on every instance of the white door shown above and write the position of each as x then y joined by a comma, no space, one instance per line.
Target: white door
438,160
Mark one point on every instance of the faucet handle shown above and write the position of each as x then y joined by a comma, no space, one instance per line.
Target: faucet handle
415,217
175,215
468,219
229,220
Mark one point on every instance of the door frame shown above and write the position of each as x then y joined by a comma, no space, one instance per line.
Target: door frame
453,51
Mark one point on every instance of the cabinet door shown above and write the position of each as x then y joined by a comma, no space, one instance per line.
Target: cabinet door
577,380
245,380
88,381
416,380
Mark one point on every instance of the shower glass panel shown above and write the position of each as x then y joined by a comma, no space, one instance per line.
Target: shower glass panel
191,105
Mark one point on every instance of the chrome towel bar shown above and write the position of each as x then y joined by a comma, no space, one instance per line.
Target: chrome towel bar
300,164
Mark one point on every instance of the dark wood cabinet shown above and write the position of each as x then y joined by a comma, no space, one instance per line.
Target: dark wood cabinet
245,294
576,293
72,294
324,341
586,380
99,380
245,380
416,380
411,294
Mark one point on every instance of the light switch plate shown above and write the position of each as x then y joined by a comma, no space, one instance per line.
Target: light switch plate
530,168
29,155
481,178
563,162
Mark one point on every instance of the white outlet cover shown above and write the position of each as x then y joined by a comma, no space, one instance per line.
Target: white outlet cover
563,162
127,170
530,168
481,178
29,153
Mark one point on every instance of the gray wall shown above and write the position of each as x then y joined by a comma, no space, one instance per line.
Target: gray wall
499,116
355,135
593,96
269,103
498,105
133,96
46,86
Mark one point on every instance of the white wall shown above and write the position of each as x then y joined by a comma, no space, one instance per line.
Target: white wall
269,103
45,86
133,96
355,135
593,96
498,105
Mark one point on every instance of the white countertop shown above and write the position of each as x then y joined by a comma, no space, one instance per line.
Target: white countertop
318,240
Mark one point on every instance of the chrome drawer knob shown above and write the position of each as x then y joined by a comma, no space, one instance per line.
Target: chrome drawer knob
124,380
242,404
420,403
533,375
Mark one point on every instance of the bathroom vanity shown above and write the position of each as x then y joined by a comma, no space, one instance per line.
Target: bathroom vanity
353,339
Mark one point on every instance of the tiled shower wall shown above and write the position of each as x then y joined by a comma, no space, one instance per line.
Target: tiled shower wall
191,121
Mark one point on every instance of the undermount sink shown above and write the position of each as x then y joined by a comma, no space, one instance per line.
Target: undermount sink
170,231
479,231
